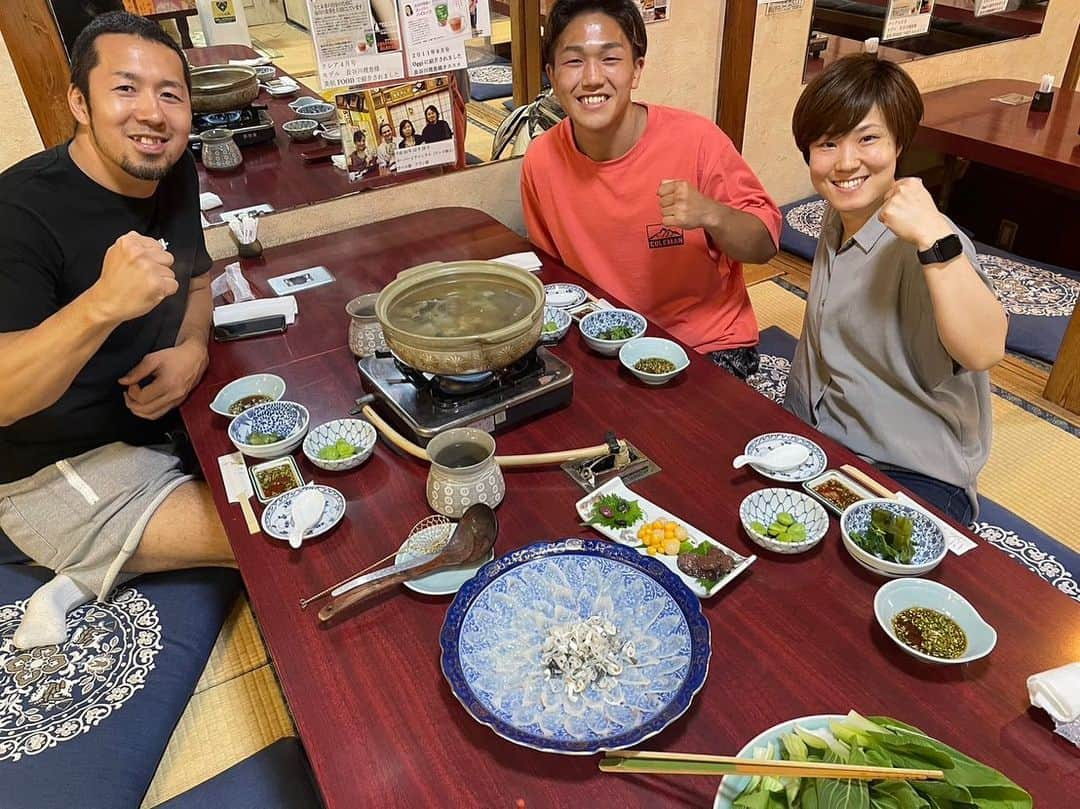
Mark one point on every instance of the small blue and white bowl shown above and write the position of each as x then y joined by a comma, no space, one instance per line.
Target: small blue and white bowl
643,347
319,111
303,101
301,129
896,596
927,537
562,320
268,385
597,323
357,432
763,505
287,419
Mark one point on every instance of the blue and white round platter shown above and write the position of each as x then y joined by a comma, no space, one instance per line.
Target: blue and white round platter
810,468
495,629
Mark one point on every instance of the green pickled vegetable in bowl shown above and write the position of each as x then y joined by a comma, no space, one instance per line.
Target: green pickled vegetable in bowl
338,451
619,332
261,439
550,326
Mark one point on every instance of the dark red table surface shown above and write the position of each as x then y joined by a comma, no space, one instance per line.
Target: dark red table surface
272,172
963,121
794,636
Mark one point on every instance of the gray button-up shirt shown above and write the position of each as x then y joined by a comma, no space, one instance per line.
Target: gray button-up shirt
870,370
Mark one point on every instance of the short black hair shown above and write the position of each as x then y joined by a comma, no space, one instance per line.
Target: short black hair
843,94
624,12
84,55
359,135
433,108
401,127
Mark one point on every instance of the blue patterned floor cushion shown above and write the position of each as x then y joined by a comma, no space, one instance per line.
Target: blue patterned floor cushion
1038,552
802,226
492,80
85,724
276,777
1038,297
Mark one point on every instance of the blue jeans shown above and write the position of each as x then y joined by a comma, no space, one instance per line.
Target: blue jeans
948,499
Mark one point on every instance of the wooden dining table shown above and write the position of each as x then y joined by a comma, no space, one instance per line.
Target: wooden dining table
965,123
793,636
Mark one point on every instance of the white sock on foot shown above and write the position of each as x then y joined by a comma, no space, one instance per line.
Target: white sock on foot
45,621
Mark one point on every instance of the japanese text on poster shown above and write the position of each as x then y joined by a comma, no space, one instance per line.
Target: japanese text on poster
435,33
356,41
907,18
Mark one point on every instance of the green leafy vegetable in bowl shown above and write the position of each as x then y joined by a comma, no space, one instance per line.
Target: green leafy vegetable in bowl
550,326
887,537
784,528
882,742
612,511
338,451
619,332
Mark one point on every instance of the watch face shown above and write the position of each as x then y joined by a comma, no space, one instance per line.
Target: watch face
944,249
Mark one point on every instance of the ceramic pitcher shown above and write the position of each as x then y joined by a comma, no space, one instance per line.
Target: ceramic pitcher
463,471
365,333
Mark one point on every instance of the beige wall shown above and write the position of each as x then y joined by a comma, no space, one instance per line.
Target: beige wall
776,81
20,136
682,65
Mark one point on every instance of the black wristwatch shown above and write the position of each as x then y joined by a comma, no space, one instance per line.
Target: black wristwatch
944,249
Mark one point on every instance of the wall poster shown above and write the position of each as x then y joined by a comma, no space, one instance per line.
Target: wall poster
435,34
356,41
985,7
654,10
907,18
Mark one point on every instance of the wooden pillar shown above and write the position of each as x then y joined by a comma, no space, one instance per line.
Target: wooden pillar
1072,69
1063,386
41,63
736,54
525,57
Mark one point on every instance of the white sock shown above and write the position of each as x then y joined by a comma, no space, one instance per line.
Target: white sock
45,621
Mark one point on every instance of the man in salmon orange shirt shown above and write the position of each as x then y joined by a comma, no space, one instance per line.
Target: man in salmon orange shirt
651,203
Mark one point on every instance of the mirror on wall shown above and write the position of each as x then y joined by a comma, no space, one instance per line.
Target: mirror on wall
280,170
839,27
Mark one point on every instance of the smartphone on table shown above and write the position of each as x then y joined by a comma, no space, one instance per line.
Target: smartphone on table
273,324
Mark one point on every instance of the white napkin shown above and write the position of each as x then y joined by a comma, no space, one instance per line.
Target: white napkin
249,310
954,540
256,62
232,280
1057,692
527,260
208,201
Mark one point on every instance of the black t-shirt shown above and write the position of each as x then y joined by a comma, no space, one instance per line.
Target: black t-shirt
55,226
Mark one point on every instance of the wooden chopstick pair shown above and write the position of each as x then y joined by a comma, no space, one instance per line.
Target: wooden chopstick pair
663,763
861,477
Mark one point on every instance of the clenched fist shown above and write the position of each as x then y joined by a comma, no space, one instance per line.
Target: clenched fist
683,206
136,276
909,212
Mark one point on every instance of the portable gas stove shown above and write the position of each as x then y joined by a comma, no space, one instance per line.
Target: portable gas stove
249,125
423,405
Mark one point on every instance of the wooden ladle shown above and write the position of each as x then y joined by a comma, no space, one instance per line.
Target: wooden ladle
471,541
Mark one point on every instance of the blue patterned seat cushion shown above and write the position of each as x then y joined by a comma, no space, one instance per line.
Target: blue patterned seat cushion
1043,555
1039,297
492,80
276,777
85,724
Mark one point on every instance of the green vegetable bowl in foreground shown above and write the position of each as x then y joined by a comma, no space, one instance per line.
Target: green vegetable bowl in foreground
328,445
878,741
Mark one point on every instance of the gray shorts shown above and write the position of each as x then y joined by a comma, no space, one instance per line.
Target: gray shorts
85,516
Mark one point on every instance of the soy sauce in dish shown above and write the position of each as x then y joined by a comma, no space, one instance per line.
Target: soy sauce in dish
930,632
240,405
459,454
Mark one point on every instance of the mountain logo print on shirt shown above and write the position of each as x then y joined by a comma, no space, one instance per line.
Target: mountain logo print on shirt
663,236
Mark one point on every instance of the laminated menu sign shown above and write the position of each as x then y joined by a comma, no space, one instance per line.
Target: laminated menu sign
356,41
654,10
398,128
907,18
984,7
435,34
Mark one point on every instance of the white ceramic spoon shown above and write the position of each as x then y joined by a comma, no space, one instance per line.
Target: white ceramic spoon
306,510
778,459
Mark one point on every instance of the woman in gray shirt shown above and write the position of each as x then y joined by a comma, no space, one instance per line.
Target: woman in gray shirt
902,323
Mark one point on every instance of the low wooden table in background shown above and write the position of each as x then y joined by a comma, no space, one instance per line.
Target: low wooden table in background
963,123
793,636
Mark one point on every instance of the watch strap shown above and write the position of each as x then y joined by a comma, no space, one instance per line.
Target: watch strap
944,249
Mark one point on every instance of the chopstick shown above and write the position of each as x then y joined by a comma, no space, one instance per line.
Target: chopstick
663,763
305,601
867,481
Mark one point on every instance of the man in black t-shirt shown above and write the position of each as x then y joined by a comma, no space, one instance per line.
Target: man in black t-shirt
105,311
